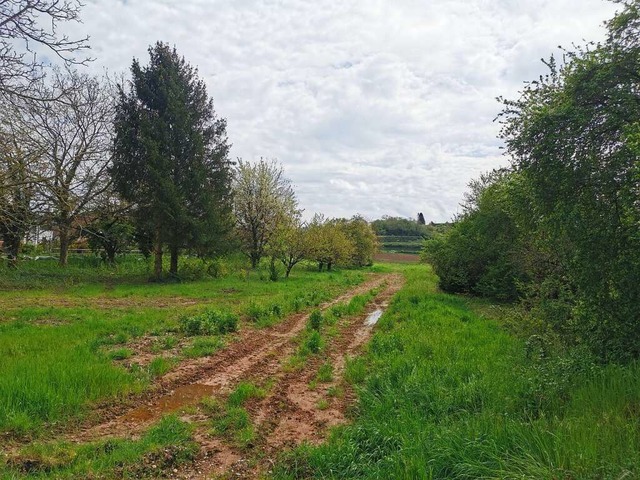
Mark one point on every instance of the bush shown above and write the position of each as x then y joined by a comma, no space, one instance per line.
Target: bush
218,268
210,322
192,269
315,320
314,342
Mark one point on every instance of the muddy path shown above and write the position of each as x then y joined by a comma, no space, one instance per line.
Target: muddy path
297,408
252,354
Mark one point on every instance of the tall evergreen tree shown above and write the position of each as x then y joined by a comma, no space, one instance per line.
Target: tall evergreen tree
171,157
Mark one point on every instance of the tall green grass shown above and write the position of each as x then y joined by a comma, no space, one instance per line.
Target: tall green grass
449,394
57,360
165,446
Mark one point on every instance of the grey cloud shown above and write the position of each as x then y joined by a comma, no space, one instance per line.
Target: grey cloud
373,107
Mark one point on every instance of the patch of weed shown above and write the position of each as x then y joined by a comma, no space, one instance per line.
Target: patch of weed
203,347
325,373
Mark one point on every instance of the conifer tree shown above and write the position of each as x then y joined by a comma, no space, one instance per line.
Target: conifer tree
171,157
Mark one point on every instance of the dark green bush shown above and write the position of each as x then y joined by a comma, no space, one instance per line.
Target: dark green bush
209,322
315,320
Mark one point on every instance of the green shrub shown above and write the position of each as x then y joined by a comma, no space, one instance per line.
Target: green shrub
192,269
218,268
314,342
210,322
315,320
256,312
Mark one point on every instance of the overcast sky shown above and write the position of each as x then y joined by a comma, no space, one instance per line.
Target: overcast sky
374,107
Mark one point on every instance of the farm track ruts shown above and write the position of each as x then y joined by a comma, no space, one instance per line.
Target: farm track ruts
253,353
290,413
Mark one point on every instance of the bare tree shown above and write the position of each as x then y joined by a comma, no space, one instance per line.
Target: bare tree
73,137
18,169
29,26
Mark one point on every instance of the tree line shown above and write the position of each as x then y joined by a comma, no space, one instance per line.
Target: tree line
559,230
143,161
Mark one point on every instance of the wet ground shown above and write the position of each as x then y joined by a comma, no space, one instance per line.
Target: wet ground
294,409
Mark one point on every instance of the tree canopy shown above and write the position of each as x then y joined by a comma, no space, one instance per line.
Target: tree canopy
562,229
171,157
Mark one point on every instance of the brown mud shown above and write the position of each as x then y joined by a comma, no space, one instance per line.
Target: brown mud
296,408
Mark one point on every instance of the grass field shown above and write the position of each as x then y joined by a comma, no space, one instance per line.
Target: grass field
449,394
61,338
442,389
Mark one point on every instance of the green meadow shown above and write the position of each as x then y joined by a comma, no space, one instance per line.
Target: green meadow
446,392
61,338
445,389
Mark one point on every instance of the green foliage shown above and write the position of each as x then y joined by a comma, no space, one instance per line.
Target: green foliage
481,253
203,347
561,230
313,343
398,226
363,241
209,322
315,320
449,394
573,135
171,157
274,274
110,236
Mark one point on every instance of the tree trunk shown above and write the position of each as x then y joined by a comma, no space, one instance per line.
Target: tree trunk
320,265
288,270
328,266
254,260
157,251
111,255
173,265
12,245
64,245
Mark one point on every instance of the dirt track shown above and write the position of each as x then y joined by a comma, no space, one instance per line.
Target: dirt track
287,416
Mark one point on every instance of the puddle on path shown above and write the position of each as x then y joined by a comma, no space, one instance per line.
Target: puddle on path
373,317
180,397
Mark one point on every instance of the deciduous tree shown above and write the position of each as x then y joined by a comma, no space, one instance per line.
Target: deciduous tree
264,205
72,140
29,27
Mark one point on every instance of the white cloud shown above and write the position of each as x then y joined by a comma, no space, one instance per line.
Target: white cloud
375,107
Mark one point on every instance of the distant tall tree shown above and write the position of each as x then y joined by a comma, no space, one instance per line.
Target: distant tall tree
171,157
264,203
421,219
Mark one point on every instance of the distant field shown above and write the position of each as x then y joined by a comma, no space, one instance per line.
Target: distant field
390,257
400,244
